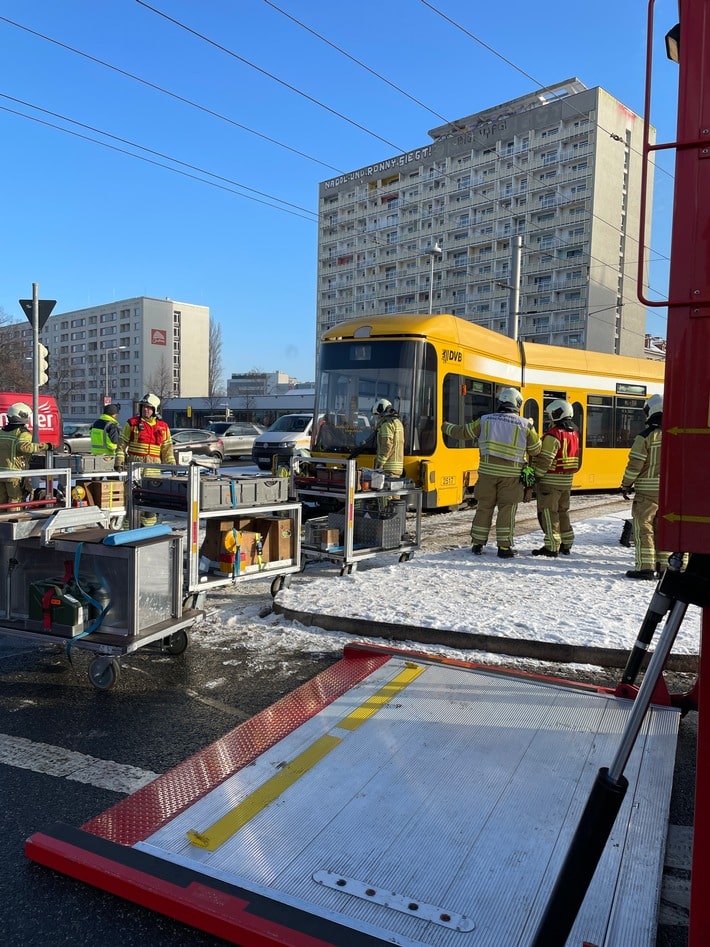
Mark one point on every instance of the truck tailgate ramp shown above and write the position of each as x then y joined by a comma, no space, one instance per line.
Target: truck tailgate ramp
393,799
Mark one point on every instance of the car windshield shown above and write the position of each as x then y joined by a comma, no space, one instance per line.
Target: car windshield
291,422
76,430
219,427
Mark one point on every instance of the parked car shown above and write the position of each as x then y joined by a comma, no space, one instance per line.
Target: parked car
202,443
77,437
287,435
237,436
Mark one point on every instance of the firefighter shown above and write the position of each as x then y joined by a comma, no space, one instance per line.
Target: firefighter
554,468
642,475
504,440
145,437
390,439
15,448
105,431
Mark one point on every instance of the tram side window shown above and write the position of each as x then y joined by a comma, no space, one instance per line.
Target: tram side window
578,418
630,420
464,400
600,421
531,411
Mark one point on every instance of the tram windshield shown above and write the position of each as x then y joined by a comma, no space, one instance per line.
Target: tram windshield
354,375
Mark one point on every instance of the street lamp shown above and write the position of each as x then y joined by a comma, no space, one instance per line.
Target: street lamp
433,252
107,352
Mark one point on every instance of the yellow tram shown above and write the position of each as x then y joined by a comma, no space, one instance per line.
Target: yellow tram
438,367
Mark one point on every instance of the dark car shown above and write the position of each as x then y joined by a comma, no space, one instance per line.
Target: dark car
237,436
202,443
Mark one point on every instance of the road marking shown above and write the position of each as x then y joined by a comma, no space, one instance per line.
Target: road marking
57,761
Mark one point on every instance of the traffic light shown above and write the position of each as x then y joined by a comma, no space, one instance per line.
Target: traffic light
43,356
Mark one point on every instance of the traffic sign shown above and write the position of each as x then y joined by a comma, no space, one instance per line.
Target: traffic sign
45,307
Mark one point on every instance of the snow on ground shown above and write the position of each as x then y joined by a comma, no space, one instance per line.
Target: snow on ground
582,599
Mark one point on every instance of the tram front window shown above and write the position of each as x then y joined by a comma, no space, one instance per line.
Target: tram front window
355,375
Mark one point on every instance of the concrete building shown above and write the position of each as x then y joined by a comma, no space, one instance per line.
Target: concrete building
253,384
120,350
559,168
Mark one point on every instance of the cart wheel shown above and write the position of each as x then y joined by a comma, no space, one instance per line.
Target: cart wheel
349,569
406,556
104,672
177,642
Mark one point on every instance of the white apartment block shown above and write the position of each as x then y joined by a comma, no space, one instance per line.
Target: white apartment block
561,167
120,350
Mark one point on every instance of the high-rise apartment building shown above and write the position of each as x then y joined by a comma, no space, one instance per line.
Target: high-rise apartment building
119,350
559,168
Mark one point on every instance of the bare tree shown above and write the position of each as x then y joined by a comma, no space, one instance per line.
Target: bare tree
160,381
15,372
215,381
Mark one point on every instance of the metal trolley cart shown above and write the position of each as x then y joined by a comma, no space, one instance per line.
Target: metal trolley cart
369,521
239,527
69,578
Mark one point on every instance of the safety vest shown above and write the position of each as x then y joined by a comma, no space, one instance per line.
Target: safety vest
567,457
144,439
101,442
504,435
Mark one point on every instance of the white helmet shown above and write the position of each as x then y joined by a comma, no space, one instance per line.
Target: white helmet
559,409
510,398
19,413
383,406
653,405
153,401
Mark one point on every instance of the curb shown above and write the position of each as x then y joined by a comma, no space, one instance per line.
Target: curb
513,647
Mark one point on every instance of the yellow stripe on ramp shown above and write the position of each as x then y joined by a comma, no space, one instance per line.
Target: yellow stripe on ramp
230,823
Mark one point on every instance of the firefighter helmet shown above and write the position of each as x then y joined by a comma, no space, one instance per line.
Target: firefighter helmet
19,413
653,405
153,401
559,409
383,406
511,399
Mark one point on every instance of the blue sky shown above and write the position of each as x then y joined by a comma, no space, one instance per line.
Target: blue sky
91,224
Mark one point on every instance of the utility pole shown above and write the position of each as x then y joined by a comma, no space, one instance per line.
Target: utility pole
514,298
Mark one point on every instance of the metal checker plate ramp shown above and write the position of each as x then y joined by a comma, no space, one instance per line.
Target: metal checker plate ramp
451,788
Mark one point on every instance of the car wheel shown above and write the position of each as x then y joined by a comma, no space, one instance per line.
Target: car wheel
219,457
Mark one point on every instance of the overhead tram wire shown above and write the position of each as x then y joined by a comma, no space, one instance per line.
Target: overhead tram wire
454,125
522,72
158,164
269,75
172,95
259,134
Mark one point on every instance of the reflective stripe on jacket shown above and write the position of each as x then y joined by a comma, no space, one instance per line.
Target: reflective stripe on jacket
643,469
15,448
558,460
146,439
105,433
390,446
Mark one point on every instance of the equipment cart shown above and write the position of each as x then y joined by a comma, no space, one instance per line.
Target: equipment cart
367,523
68,578
239,527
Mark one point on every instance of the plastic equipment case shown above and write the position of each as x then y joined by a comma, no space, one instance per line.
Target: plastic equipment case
373,521
70,578
249,529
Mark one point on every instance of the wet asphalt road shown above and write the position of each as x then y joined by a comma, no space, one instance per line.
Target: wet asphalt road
162,711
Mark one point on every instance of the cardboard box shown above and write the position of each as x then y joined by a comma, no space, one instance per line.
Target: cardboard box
107,494
277,537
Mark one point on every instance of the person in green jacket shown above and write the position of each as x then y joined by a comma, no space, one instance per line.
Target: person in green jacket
16,446
105,431
504,441
642,474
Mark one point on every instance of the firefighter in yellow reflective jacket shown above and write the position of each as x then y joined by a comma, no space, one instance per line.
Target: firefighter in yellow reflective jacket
390,439
16,446
554,468
145,437
504,441
642,474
